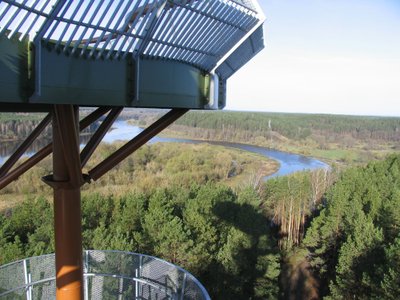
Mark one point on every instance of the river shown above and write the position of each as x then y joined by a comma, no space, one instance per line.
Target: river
122,131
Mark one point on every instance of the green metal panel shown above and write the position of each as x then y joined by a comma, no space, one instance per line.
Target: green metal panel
70,79
171,84
74,79
14,70
222,93
137,53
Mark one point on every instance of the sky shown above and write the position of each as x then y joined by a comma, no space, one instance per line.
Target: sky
324,56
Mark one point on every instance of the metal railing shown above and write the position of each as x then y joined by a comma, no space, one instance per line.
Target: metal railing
107,275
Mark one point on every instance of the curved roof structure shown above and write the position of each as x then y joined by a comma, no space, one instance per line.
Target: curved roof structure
148,53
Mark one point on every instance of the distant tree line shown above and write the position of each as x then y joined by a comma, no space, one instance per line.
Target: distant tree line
6,117
333,137
296,126
17,126
18,129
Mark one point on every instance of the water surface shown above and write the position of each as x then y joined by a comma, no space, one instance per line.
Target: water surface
289,162
122,131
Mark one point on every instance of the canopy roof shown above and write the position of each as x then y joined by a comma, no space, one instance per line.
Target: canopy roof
214,36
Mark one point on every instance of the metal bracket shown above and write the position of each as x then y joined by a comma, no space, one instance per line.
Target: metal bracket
38,47
65,185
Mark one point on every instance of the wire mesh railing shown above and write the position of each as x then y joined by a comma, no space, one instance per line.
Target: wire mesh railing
107,275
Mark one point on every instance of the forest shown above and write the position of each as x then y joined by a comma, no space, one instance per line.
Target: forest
296,126
335,138
323,234
306,234
16,126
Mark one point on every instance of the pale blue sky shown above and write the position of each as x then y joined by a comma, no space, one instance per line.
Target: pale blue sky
324,56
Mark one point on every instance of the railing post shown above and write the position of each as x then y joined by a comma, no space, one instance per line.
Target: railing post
140,275
137,283
28,280
120,288
30,286
183,286
85,278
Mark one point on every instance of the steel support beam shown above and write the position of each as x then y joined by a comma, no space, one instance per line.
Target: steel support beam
66,182
24,146
45,151
92,117
134,144
99,134
25,166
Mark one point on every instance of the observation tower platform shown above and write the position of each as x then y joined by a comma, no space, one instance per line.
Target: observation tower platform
59,55
106,275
